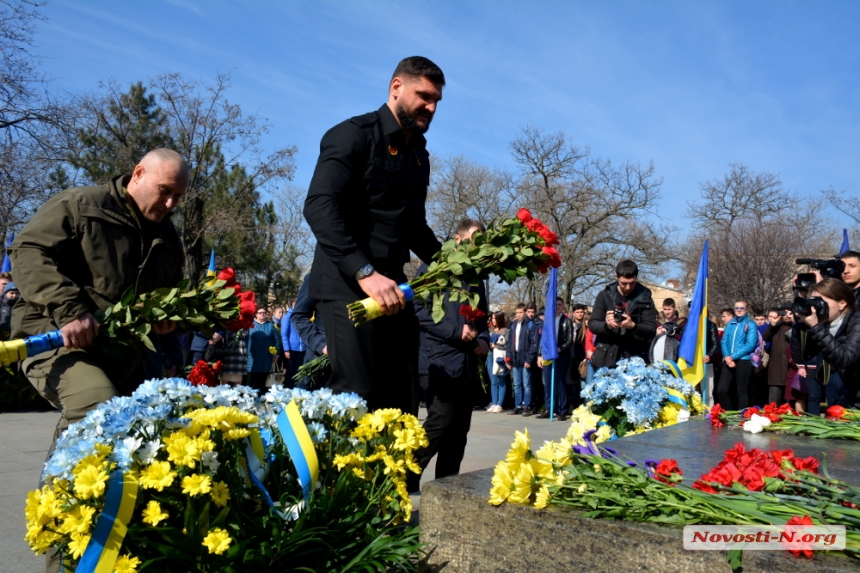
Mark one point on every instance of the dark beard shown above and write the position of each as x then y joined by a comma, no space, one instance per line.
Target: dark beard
407,121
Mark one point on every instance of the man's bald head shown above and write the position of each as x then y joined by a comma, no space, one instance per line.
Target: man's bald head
157,183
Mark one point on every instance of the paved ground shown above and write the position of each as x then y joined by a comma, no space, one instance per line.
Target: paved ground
25,438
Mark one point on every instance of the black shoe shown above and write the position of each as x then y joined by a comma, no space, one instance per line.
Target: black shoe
561,418
543,415
515,412
527,412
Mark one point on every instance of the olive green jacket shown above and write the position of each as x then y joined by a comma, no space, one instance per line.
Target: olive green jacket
80,252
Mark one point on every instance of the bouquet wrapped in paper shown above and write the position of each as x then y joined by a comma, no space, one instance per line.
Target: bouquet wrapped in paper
519,246
179,477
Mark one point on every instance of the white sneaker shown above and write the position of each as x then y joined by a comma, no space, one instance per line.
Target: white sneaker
496,409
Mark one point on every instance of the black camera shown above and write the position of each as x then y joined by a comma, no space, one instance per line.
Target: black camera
827,267
782,313
619,313
670,328
802,307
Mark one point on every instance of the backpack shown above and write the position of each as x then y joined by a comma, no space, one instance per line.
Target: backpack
757,356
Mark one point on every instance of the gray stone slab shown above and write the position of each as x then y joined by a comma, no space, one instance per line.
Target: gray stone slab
697,447
467,534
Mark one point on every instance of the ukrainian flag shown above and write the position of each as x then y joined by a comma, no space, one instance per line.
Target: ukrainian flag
211,272
691,354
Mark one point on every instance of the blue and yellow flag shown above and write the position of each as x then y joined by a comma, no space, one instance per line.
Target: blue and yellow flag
211,272
7,264
845,246
691,354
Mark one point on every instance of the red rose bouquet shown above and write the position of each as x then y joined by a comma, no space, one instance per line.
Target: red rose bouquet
520,246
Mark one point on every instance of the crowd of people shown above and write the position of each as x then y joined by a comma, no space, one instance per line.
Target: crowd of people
365,205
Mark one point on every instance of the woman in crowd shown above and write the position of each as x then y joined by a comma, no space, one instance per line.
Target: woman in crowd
496,365
262,340
833,336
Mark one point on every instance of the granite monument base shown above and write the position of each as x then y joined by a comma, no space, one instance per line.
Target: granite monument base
466,533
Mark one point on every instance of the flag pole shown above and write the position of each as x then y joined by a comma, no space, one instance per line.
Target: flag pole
552,391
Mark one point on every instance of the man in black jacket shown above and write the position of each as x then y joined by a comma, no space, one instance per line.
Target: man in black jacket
365,206
521,354
564,340
310,329
450,355
624,318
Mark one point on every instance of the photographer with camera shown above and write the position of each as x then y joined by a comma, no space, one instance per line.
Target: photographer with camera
624,318
828,324
740,339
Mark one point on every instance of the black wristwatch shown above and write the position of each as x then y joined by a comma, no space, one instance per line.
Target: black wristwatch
363,272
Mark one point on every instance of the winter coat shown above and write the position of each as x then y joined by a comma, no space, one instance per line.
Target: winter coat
528,344
81,251
842,351
622,342
442,351
260,339
779,337
740,338
290,339
303,322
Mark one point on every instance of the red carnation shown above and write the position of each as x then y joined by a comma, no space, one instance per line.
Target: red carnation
702,486
665,469
202,374
797,520
471,314
714,416
524,215
810,463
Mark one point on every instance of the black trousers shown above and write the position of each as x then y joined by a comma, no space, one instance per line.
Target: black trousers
449,416
740,377
375,360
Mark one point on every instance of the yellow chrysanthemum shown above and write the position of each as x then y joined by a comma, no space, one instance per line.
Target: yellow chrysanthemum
42,506
237,434
582,488
411,464
562,450
669,414
696,403
397,467
220,493
542,469
342,461
542,497
502,484
546,452
153,514
157,475
520,450
603,434
126,564
78,520
407,439
196,484
182,450
205,444
524,481
217,541
222,418
93,460
361,474
90,483
77,544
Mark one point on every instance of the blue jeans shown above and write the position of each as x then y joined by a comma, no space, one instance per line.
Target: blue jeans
498,384
522,387
560,364
837,393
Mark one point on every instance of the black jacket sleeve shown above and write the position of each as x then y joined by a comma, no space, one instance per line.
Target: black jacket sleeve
713,340
842,350
646,326
342,153
565,334
597,322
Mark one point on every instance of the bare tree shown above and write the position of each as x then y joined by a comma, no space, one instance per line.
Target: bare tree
757,229
740,194
460,189
848,205
602,212
20,81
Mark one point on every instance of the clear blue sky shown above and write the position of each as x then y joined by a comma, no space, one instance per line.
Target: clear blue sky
692,86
